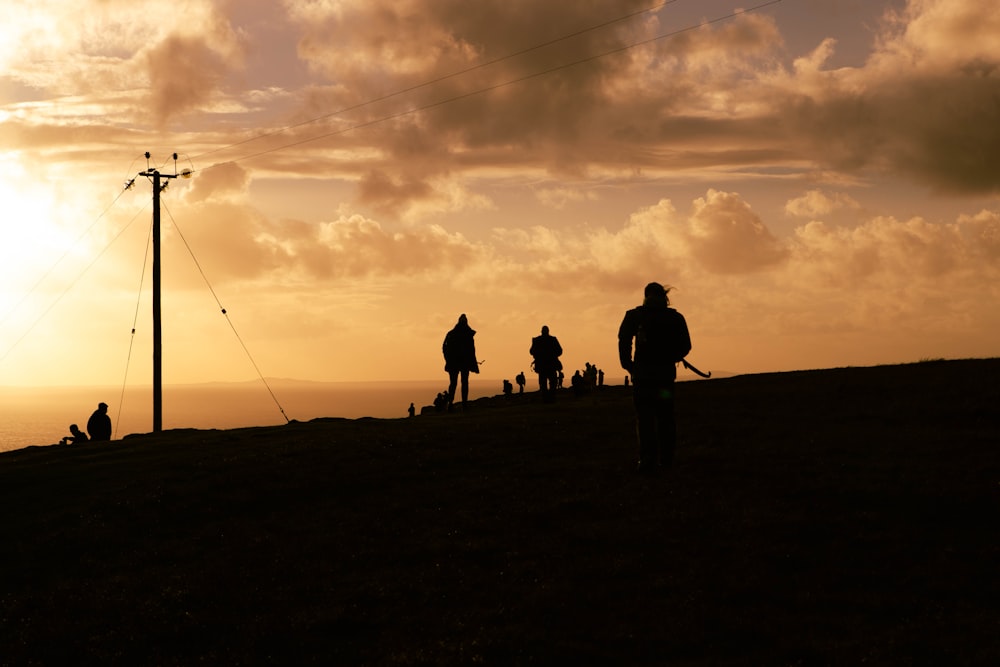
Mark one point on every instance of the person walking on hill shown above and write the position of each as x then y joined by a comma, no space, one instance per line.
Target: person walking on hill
661,340
546,350
99,424
459,350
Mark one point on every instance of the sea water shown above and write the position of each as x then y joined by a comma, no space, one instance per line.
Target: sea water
42,415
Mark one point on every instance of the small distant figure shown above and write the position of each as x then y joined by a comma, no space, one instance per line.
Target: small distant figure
99,424
459,350
508,388
78,437
578,384
661,340
626,380
546,350
600,378
441,401
411,410
520,380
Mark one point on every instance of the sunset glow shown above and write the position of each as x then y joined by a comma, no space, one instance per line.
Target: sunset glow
818,181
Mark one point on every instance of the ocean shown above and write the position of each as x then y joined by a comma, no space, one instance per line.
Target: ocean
42,415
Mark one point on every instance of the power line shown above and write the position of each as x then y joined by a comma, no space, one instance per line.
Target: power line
225,313
135,320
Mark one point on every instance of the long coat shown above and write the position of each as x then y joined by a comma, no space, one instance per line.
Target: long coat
460,349
546,350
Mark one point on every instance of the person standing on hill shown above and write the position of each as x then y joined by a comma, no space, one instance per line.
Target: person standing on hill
661,340
546,350
99,424
460,358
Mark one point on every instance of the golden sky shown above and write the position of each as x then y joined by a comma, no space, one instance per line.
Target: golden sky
818,180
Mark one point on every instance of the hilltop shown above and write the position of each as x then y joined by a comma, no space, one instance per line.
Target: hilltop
817,517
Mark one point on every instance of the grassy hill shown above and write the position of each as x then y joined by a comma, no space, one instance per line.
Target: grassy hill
823,517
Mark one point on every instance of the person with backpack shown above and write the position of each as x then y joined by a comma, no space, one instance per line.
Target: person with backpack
661,340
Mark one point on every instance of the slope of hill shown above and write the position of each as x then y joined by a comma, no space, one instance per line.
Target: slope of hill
822,517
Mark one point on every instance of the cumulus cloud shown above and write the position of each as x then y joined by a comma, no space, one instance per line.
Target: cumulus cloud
221,181
816,203
355,246
728,237
236,242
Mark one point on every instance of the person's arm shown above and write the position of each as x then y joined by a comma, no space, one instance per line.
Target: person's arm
684,338
626,332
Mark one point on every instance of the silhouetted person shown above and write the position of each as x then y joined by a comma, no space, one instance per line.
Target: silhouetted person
508,388
411,410
520,382
546,350
78,437
99,424
661,340
460,358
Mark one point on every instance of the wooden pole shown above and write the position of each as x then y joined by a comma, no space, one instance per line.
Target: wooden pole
157,333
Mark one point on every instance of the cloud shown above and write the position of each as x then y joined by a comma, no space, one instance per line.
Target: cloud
613,110
728,237
560,197
236,242
815,204
185,68
354,246
924,104
220,181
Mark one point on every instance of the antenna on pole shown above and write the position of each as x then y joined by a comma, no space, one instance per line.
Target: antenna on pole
156,178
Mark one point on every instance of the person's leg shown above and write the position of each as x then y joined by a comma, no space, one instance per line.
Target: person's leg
666,426
452,382
550,386
645,426
465,387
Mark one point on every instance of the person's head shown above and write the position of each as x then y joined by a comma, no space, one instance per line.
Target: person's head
74,429
545,331
462,319
656,293
103,407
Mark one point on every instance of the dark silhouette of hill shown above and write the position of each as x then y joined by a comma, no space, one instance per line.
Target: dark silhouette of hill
828,517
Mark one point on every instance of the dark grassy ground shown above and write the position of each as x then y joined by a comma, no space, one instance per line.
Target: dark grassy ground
832,517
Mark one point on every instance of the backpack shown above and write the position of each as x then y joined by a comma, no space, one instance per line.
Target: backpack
661,339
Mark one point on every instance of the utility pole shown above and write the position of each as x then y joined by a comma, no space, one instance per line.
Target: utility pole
156,177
